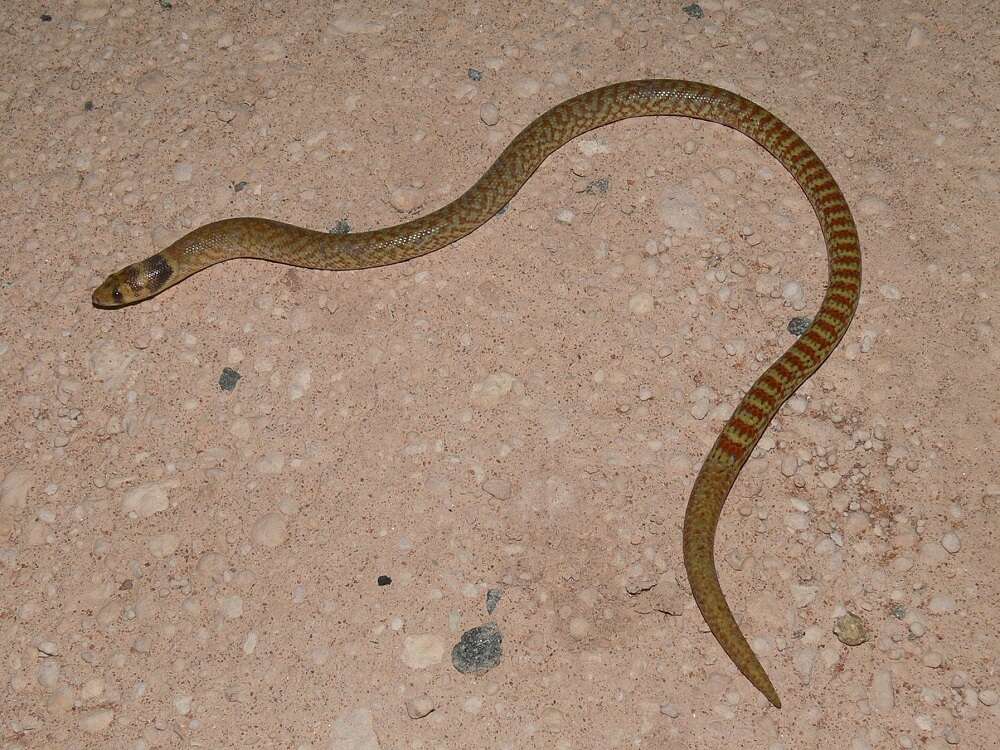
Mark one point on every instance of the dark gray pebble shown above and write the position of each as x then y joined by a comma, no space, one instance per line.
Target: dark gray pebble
479,649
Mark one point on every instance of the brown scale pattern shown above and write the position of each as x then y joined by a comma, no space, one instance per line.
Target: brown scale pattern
284,243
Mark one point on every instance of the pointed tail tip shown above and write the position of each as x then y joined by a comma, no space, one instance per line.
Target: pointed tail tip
769,692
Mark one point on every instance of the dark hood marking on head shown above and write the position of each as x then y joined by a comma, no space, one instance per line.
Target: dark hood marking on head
158,271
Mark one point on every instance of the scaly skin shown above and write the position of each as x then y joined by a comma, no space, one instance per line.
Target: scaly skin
284,243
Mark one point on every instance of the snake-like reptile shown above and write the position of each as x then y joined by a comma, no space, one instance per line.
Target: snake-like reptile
285,243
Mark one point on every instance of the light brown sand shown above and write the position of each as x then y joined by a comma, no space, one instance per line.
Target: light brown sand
184,566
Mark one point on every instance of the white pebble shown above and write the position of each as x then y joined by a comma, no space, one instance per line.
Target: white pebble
883,696
231,606
641,303
270,530
163,545
406,199
183,704
357,25
422,651
526,87
48,674
183,172
92,689
14,488
271,463
148,499
871,205
492,390
890,291
489,113
418,708
681,210
91,10
299,386
916,38
97,721
941,604
269,49
951,542
353,730
988,697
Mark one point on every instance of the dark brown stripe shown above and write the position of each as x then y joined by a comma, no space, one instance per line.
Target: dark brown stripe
158,272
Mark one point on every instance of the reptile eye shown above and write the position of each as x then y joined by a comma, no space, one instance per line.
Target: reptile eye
117,294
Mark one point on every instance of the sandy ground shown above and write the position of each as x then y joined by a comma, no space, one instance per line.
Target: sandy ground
187,565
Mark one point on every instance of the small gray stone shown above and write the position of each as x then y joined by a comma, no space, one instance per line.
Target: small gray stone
228,379
479,649
798,326
492,599
694,11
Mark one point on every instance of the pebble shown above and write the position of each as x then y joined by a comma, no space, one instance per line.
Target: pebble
671,710
579,627
406,200
492,390
941,604
183,172
92,689
422,651
917,38
641,304
803,596
526,87
890,291
850,630
61,701
212,566
804,661
354,730
871,205
681,211
183,704
148,499
418,708
97,721
489,113
989,697
231,606
270,530
163,545
269,49
498,488
91,10
882,693
357,25
14,489
479,649
951,542
271,463
48,674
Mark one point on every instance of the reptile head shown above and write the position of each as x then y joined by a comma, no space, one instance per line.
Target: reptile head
133,283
